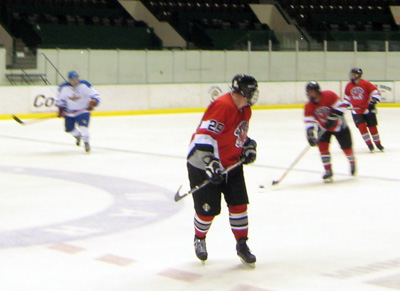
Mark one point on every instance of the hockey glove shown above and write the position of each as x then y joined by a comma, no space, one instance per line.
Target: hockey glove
60,112
331,120
213,169
312,140
372,107
375,100
92,104
249,153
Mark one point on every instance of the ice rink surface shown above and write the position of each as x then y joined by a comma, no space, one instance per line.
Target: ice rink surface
107,220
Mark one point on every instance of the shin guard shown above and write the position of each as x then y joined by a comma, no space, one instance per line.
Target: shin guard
239,221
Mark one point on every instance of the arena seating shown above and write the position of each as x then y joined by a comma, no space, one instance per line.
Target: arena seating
97,24
204,24
228,24
366,21
215,25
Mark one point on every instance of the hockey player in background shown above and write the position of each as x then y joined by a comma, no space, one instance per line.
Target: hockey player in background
75,100
220,141
325,109
363,96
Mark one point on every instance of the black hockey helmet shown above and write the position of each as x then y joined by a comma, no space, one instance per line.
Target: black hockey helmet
355,73
313,86
246,86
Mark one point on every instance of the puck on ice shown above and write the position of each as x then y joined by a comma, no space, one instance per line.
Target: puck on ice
261,186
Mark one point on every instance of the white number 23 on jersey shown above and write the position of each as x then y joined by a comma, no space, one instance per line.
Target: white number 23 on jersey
215,126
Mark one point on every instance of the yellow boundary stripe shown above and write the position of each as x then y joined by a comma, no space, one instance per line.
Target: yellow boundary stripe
168,111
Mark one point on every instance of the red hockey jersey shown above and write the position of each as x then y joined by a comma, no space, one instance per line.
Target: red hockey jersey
360,95
223,127
318,113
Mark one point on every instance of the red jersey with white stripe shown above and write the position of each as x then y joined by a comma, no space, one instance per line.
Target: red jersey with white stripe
360,95
318,113
223,127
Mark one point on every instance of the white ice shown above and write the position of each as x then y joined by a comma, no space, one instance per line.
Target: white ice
107,220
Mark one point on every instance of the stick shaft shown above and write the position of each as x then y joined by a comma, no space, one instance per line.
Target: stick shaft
205,182
303,152
17,119
32,121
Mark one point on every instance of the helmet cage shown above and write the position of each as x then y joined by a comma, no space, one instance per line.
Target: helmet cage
355,73
312,86
246,86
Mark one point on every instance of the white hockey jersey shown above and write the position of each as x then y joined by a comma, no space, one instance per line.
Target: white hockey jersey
75,100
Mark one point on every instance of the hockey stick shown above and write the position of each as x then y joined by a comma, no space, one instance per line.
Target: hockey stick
303,152
32,121
204,183
357,108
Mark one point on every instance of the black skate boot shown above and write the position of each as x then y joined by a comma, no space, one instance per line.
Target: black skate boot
328,176
244,253
87,147
353,169
78,140
371,148
380,147
200,248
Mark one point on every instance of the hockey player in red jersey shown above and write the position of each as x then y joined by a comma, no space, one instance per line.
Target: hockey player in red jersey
325,109
220,141
363,96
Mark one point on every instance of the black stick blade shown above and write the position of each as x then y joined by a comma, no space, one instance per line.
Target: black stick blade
17,119
274,182
177,196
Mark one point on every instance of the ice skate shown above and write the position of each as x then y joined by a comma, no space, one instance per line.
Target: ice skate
200,249
380,147
328,176
87,147
371,148
244,253
353,169
78,140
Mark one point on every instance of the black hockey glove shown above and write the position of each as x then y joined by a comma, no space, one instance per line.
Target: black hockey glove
331,120
312,140
213,169
374,100
249,153
372,107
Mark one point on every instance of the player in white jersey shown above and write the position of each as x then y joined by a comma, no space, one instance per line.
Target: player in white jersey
75,100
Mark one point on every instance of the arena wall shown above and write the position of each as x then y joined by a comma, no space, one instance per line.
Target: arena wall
133,99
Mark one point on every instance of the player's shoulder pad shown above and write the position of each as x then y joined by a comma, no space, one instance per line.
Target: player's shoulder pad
331,93
64,85
368,83
86,83
220,105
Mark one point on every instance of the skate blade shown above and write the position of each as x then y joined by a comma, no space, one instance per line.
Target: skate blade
328,180
250,265
203,262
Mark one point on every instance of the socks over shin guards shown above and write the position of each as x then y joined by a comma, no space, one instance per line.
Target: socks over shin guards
350,155
239,221
202,224
362,127
85,133
325,155
75,132
375,135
